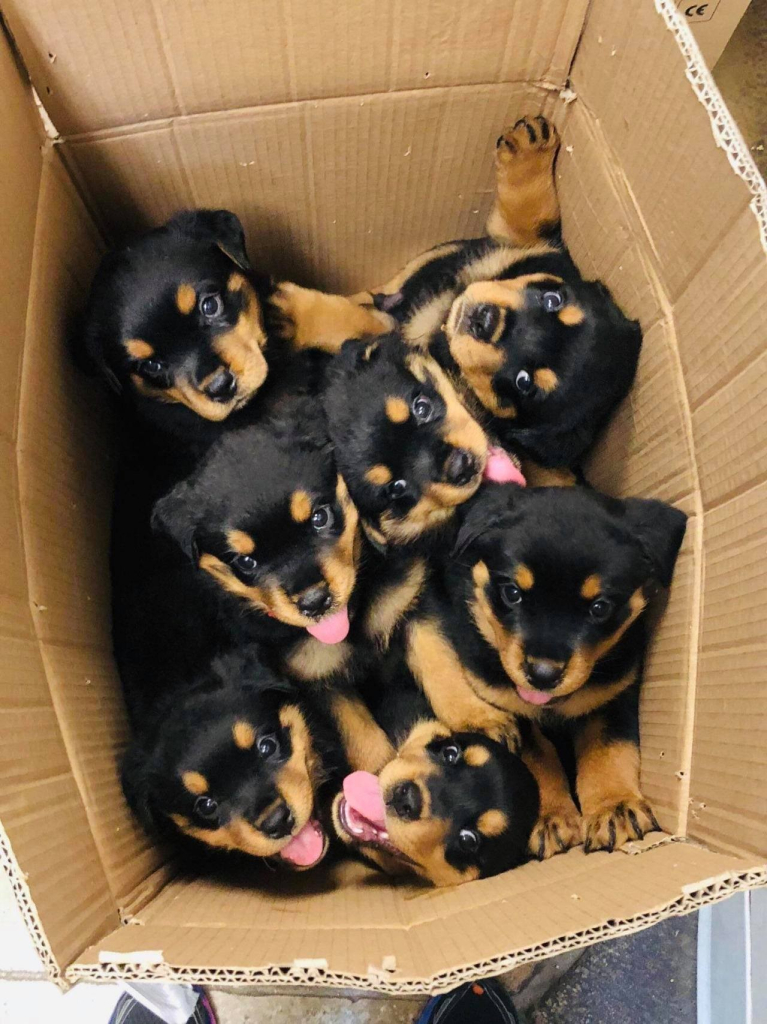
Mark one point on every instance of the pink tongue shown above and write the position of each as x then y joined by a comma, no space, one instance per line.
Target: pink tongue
331,630
363,795
534,696
501,469
305,848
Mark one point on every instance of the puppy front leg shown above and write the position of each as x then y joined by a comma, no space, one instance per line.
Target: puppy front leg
559,822
365,744
316,320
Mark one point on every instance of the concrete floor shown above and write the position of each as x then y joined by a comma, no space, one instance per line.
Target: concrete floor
643,979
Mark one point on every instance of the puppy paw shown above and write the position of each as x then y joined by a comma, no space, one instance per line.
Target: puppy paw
556,832
530,135
618,823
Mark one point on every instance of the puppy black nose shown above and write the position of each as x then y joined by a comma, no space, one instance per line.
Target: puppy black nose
406,801
315,600
460,468
278,823
543,674
222,387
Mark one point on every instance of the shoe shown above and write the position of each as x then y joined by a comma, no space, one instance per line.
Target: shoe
479,1002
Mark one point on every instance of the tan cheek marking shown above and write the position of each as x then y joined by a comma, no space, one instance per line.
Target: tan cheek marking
492,823
378,475
300,506
180,820
592,586
546,380
476,756
244,735
397,410
571,316
195,783
186,298
138,349
523,577
241,542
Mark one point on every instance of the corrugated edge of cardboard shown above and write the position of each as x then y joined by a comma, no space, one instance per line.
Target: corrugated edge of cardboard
12,869
135,966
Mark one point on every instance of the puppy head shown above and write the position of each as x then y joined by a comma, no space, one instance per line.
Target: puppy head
451,807
549,358
232,765
268,519
554,578
175,316
405,444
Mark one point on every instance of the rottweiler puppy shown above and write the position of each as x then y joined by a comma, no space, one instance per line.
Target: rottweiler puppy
538,615
449,806
267,524
547,354
181,325
234,761
407,442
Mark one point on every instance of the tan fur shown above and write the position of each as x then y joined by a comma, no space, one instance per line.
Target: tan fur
542,476
365,743
397,410
138,349
499,261
195,783
378,475
546,380
475,756
240,542
392,603
571,316
244,735
300,506
186,298
523,577
394,285
319,321
428,318
310,659
591,587
559,822
526,199
492,823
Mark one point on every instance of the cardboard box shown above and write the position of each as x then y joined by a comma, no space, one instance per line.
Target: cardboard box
350,136
713,23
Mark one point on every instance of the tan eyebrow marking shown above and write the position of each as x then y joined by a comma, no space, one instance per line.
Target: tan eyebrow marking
138,348
300,506
241,542
546,379
186,297
244,735
492,823
523,577
592,586
475,756
378,475
571,316
195,783
397,410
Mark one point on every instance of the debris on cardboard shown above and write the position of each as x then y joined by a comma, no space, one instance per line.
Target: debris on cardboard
133,958
308,963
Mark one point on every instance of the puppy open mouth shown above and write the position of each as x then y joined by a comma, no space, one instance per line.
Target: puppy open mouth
307,847
332,629
361,814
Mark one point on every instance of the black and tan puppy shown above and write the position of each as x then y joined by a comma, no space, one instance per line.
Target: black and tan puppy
406,441
233,761
450,807
538,615
181,325
267,523
548,354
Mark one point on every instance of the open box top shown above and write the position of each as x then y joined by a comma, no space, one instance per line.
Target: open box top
349,137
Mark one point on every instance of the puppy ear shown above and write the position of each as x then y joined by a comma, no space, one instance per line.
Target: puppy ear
489,507
135,776
173,515
222,227
660,529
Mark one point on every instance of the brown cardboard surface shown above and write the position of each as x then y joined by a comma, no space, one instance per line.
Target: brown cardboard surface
498,923
712,22
20,165
101,63
299,174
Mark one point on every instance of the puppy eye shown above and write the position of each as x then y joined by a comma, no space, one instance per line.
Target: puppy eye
206,807
511,594
601,609
152,368
268,746
483,321
323,518
451,753
396,488
246,564
468,840
552,302
423,408
211,305
524,383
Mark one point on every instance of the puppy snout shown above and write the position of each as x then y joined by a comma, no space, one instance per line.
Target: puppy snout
315,601
406,801
222,387
461,467
543,674
278,823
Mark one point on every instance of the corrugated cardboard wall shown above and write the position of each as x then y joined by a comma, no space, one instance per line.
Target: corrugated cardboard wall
703,243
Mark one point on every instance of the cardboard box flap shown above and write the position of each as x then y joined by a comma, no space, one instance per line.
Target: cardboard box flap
520,913
101,63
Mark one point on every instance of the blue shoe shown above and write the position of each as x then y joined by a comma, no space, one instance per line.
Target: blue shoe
480,1002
